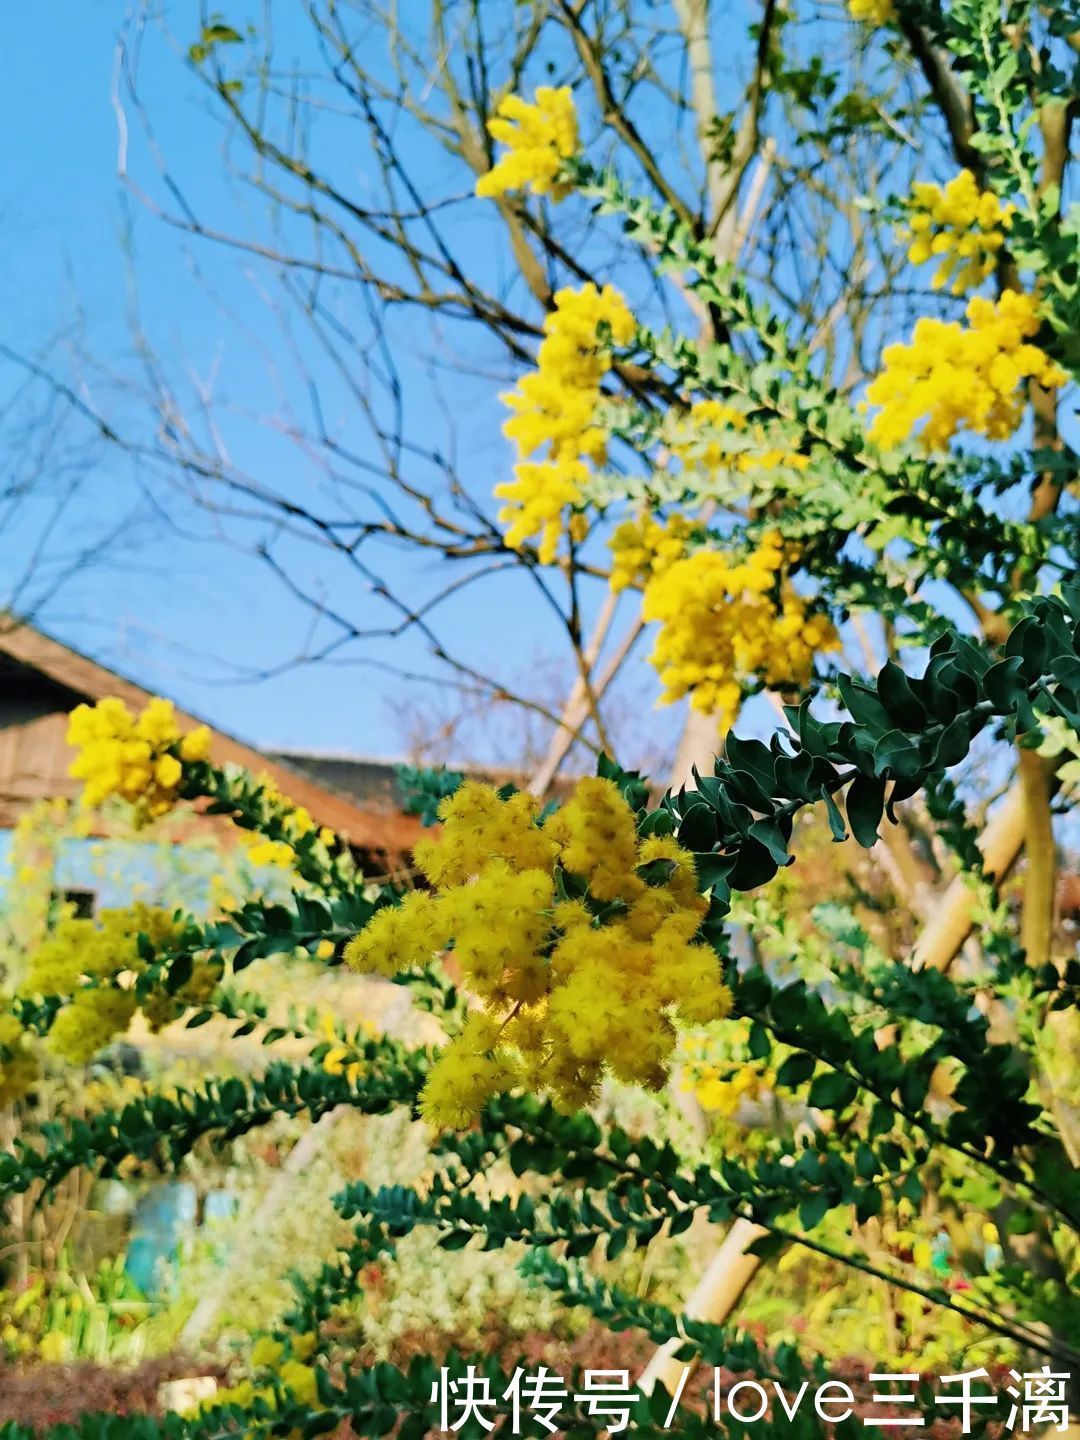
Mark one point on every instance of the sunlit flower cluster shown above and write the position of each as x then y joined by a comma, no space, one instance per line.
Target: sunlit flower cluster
721,1085
262,852
959,224
340,1058
727,621
953,376
278,1367
578,935
646,546
872,12
296,820
554,410
137,758
722,1090
91,964
539,138
142,759
292,822
19,1065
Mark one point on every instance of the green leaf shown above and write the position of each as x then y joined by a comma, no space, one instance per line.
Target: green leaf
954,743
179,974
832,1091
897,754
869,1204
836,820
697,828
616,1243
754,757
863,705
899,699
813,1210
796,1070
767,1247
219,34
1021,1222
768,833
657,822
865,802
1004,684
759,1044
713,870
913,1087
1027,641
753,867
866,1163
882,1119
278,920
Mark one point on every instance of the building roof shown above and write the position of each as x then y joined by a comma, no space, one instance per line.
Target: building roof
368,782
42,680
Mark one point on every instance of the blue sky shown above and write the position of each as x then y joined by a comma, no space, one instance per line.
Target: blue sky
167,609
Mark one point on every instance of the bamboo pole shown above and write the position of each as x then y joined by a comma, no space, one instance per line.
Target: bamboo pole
713,1298
950,925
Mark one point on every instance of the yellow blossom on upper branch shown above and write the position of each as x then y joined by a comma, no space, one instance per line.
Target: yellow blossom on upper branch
260,851
715,1068
722,1088
646,547
873,12
538,137
953,377
136,758
579,936
725,621
143,758
19,1065
961,225
91,965
554,409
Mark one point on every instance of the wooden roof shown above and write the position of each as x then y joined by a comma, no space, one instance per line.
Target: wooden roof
34,754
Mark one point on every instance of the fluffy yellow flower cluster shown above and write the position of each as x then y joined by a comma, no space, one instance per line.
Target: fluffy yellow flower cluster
962,225
872,12
725,621
296,822
578,936
81,961
19,1067
283,1369
340,1058
260,851
721,1089
538,137
952,376
138,758
554,406
645,547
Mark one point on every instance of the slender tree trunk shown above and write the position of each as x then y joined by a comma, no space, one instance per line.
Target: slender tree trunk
1040,876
